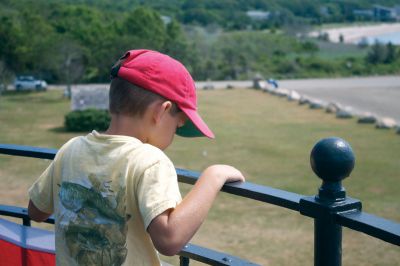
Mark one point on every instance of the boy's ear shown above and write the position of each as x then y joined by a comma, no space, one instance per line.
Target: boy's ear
161,109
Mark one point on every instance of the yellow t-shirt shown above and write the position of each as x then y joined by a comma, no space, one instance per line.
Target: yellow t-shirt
104,191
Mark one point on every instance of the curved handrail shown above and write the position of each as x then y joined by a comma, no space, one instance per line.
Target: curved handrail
330,205
191,251
248,190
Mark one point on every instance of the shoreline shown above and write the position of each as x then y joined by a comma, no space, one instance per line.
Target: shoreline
353,34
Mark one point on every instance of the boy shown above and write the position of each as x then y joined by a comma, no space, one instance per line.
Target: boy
115,194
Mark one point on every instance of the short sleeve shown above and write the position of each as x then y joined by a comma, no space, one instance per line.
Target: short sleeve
157,190
41,192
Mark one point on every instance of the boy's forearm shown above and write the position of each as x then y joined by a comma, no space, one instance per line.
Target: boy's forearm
170,232
193,209
175,228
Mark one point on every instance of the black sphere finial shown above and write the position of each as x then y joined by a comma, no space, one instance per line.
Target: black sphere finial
332,159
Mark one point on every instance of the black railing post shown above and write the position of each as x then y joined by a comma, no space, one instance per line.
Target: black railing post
26,221
183,261
332,160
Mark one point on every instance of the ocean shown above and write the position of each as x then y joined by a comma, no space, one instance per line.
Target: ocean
393,37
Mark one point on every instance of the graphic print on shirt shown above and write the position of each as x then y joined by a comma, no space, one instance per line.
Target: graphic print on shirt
93,221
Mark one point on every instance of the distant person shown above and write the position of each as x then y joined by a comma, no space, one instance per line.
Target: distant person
115,194
273,82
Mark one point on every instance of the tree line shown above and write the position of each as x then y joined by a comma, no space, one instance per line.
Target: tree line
60,42
79,40
231,14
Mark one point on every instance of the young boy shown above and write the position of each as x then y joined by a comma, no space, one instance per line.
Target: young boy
115,194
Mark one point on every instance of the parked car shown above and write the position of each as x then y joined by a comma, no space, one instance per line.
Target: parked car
29,83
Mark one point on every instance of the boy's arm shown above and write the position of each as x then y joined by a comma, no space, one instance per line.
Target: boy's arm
36,214
172,229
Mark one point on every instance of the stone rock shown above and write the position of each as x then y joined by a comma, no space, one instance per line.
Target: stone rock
304,100
367,118
398,130
293,96
344,114
282,92
258,82
229,87
386,123
271,90
262,85
315,104
208,86
332,107
268,89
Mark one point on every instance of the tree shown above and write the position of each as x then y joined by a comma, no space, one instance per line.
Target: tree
88,29
309,47
5,76
377,53
176,44
10,41
391,54
341,38
146,29
71,62
200,16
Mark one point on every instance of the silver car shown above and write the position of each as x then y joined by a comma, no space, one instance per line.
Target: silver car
29,83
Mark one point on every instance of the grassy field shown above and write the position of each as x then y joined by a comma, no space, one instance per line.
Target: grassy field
269,139
331,50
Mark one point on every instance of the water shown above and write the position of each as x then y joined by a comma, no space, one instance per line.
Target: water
393,37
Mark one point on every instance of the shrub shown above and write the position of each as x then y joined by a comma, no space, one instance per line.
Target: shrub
87,120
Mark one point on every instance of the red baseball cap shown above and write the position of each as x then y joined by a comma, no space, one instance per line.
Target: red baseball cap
168,78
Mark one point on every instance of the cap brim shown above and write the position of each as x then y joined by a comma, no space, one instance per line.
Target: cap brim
194,126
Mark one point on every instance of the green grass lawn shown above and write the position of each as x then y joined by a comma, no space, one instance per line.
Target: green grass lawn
331,50
269,139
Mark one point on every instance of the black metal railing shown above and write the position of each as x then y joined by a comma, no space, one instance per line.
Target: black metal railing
332,160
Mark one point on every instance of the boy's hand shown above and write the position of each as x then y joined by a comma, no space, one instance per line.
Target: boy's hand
223,173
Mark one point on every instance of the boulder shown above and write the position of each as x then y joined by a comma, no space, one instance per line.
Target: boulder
258,82
304,100
268,89
316,104
367,118
282,92
332,107
293,96
208,86
398,130
344,113
386,123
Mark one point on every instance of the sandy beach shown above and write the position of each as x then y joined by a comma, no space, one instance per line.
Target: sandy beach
354,34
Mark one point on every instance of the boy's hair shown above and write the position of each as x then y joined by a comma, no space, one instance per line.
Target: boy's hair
129,99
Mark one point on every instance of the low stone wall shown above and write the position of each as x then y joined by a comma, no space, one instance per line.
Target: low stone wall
341,112
86,97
